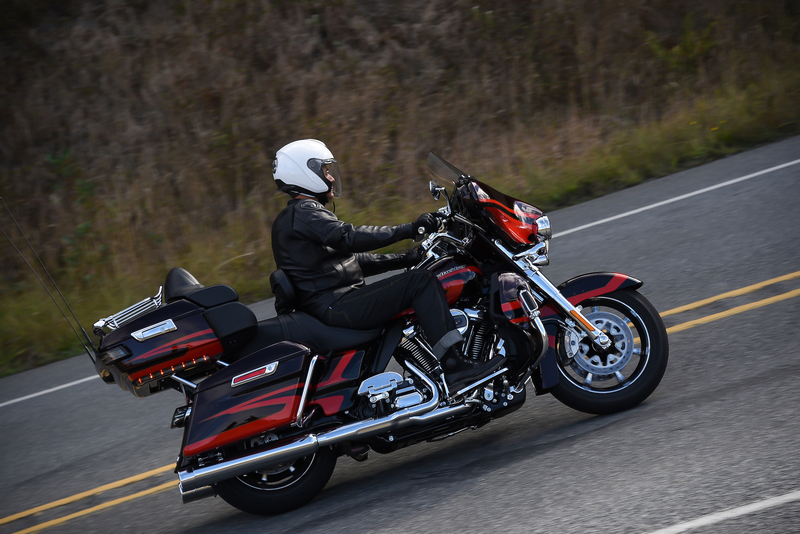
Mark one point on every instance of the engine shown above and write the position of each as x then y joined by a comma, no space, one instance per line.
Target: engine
479,339
476,332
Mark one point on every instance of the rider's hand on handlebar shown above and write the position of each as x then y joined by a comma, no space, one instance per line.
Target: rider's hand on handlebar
426,224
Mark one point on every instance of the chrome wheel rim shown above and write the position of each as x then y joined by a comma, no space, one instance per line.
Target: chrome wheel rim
278,476
618,368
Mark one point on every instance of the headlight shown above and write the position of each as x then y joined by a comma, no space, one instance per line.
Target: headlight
543,229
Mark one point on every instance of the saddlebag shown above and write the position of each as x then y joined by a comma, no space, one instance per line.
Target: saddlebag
255,395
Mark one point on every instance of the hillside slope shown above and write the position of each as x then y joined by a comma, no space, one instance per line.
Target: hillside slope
138,135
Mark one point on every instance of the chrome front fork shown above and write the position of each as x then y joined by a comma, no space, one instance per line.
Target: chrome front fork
540,281
547,287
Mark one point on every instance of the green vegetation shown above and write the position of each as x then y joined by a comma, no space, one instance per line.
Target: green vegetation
138,135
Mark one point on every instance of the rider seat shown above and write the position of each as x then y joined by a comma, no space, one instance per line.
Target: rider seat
300,327
309,331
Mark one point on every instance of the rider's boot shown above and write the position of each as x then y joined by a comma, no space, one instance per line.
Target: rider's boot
458,370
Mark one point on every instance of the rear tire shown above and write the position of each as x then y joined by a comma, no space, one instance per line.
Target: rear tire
602,383
280,488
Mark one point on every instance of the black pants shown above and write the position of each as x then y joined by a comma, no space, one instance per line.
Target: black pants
378,302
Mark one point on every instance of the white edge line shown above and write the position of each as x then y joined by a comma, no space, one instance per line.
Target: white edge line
710,519
676,199
49,390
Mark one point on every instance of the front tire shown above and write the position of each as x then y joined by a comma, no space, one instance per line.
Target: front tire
604,382
280,488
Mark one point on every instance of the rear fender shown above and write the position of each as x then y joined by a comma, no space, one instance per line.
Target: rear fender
576,290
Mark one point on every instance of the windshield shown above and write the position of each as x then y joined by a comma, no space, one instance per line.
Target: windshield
444,173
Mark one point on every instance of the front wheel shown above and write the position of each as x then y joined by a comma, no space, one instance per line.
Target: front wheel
282,487
599,381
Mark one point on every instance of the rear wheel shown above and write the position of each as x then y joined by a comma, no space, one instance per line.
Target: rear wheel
599,381
281,487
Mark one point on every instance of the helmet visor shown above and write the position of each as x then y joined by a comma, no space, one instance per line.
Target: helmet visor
328,170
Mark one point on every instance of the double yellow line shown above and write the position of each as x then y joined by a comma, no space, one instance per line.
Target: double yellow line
85,494
737,309
173,484
92,510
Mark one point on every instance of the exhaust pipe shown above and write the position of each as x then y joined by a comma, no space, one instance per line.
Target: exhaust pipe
196,495
192,479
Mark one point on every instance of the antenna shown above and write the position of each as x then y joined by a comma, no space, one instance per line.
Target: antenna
93,352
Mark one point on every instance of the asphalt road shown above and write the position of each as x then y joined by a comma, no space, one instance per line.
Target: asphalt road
720,433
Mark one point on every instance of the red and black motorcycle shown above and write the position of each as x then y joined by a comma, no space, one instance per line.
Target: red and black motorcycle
271,405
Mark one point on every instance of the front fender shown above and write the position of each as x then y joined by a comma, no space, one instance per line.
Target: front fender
576,290
586,286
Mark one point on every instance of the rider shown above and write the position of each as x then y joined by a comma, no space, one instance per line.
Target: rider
327,259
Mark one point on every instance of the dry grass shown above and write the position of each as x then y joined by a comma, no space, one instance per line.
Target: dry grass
138,135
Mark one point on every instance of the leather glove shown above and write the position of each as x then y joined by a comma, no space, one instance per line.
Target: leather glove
412,257
427,222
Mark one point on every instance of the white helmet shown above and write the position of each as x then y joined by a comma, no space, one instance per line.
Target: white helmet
299,168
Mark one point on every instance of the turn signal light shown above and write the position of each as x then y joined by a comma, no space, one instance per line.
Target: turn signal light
171,370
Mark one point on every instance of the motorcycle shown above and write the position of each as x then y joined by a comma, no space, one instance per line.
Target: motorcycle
271,405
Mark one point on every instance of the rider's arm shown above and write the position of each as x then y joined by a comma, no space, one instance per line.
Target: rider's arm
319,224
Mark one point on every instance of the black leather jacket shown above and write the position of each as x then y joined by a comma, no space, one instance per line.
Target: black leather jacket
326,258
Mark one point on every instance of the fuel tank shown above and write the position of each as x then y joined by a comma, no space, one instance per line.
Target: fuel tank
459,276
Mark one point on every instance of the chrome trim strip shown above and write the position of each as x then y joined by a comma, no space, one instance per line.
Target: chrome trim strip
268,370
154,330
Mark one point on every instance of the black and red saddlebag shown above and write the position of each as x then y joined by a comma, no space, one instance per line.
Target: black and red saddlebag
255,395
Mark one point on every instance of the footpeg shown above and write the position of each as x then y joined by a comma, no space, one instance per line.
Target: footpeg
379,387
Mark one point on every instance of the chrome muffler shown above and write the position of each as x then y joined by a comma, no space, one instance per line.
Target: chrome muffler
192,479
